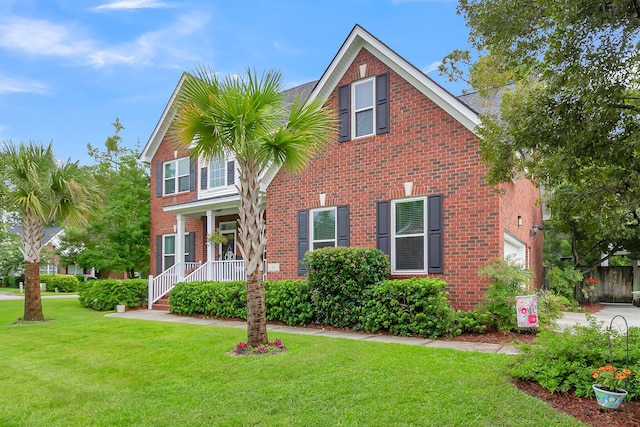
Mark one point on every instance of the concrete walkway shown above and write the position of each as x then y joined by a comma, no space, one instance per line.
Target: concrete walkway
164,316
10,296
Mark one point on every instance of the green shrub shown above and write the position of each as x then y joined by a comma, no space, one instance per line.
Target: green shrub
80,277
564,279
472,321
416,306
12,281
564,362
507,279
288,301
339,282
106,294
219,299
63,282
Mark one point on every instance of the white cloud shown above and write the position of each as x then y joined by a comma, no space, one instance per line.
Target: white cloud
37,37
169,45
132,4
431,67
12,85
284,49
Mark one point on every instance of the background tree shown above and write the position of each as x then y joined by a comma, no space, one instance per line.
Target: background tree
569,120
117,239
248,116
43,191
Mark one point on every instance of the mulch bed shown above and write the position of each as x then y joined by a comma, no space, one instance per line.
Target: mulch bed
585,409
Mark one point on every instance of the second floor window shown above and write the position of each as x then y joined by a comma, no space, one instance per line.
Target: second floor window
176,176
218,173
363,122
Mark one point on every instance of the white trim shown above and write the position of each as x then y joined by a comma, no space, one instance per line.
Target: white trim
176,178
518,246
223,256
335,226
160,130
355,111
424,235
360,38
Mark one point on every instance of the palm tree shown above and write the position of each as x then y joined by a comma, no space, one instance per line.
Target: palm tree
248,116
43,191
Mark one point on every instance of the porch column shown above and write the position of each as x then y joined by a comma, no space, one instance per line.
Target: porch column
211,225
180,246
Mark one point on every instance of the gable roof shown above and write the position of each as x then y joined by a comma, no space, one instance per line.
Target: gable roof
360,38
163,124
50,233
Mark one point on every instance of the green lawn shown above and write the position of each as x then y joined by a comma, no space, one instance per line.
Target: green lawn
84,369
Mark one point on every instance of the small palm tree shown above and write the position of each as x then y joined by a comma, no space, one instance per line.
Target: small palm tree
43,191
248,116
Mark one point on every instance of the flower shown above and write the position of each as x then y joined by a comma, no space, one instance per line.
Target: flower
611,378
591,281
244,349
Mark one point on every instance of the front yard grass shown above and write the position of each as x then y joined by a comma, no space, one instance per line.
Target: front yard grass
84,369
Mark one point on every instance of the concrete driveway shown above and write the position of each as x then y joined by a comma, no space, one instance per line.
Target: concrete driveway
630,313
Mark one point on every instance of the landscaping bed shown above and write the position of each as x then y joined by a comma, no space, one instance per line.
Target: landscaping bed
585,409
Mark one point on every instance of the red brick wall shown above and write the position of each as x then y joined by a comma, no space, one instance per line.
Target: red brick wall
162,222
522,198
426,146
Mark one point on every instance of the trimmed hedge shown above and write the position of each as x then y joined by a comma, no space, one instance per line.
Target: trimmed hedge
288,301
219,299
106,294
340,280
63,282
415,306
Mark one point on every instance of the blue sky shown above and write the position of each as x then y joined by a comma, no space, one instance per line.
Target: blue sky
69,67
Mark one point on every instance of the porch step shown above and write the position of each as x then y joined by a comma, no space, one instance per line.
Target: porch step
161,304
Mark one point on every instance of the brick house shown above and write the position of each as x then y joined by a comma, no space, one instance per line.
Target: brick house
404,175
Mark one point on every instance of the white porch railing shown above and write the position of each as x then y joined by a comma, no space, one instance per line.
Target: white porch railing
160,285
217,271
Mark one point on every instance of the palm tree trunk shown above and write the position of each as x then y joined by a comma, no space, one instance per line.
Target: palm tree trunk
32,301
32,237
252,240
256,313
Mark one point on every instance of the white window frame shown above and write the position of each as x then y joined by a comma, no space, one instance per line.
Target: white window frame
227,187
424,235
176,178
355,111
165,254
223,160
77,270
312,239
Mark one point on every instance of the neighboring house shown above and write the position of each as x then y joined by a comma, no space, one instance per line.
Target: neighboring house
404,175
50,261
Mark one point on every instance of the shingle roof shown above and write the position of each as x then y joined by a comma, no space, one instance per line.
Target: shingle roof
485,105
49,233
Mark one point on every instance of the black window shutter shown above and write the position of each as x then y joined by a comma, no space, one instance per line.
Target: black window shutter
158,254
343,225
159,180
192,175
435,234
204,175
383,226
303,239
382,103
344,113
192,247
231,170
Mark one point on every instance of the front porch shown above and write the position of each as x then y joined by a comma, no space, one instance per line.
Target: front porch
219,271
